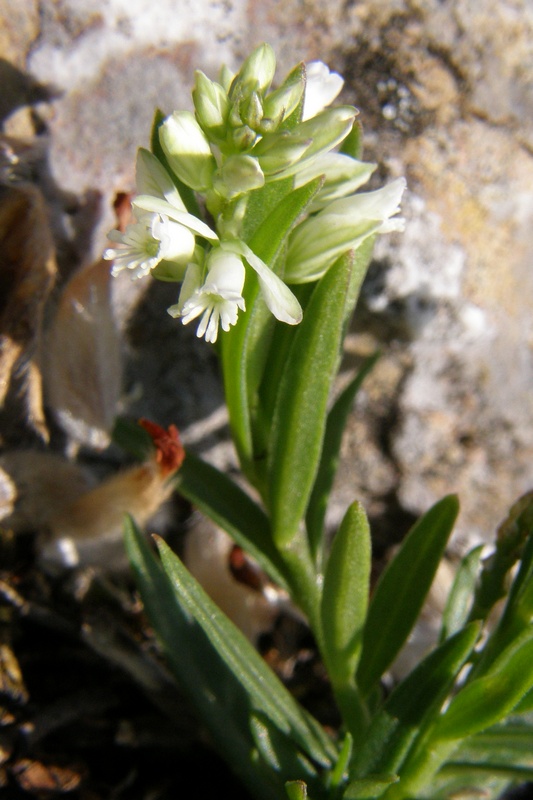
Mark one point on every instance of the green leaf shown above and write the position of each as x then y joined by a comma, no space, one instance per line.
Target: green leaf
369,788
486,700
280,752
329,460
300,414
215,691
345,595
491,769
511,538
353,143
461,594
517,614
245,346
402,589
503,744
224,502
413,705
296,790
130,437
264,690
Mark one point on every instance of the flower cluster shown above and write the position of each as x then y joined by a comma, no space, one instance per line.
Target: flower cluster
242,136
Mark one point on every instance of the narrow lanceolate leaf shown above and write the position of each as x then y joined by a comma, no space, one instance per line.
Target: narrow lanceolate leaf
213,689
517,614
244,347
280,752
345,594
402,589
265,693
489,699
329,460
510,542
413,704
223,501
300,414
370,788
461,594
503,744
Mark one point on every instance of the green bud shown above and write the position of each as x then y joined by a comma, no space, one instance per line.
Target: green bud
238,175
187,150
243,137
258,69
326,130
281,103
251,110
211,104
280,151
226,78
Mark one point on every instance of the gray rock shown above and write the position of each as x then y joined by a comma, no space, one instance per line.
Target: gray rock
446,99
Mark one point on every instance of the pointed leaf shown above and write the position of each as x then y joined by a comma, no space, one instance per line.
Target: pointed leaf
224,502
461,594
402,589
345,594
369,788
264,690
413,704
300,414
329,460
214,690
245,347
487,700
279,751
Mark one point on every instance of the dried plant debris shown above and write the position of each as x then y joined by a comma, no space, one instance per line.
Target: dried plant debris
82,360
27,274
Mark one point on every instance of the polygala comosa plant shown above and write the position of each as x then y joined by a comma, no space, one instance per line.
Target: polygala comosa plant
254,203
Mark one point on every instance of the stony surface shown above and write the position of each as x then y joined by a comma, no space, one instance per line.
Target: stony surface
446,99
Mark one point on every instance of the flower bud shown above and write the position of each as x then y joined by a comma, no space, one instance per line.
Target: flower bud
211,104
326,130
187,150
281,103
251,110
280,151
258,69
238,175
343,225
343,175
243,137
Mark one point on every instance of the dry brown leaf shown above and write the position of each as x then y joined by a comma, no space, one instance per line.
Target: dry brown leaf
27,273
81,358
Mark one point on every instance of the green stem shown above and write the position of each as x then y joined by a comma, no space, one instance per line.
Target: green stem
304,582
353,709
421,767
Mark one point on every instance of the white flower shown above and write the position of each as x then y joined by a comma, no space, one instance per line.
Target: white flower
276,294
322,87
342,225
187,150
218,300
147,242
343,175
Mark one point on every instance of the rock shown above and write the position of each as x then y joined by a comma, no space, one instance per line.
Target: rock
445,99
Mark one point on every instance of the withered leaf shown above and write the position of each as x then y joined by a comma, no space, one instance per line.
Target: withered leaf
82,363
27,273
